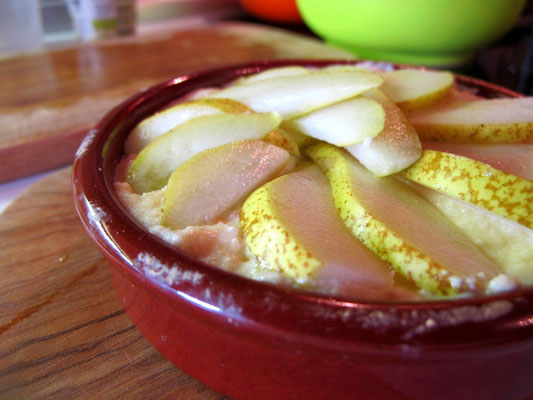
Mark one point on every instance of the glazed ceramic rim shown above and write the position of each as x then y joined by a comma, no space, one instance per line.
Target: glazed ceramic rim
262,308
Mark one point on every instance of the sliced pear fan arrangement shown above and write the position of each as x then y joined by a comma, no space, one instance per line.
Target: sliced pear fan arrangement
377,186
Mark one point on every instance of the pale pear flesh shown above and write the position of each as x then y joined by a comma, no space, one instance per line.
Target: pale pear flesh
506,242
156,162
396,147
469,231
292,96
477,121
343,123
475,182
513,158
210,184
403,228
162,122
413,89
291,70
290,224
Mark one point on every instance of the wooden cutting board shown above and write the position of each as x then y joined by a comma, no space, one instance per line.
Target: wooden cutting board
48,100
63,332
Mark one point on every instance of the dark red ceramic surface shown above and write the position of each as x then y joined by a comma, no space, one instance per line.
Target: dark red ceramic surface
252,340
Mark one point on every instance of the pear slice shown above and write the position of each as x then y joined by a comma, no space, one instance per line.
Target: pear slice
290,225
291,70
280,137
412,89
292,96
211,183
343,123
477,121
156,162
297,137
513,158
509,244
475,182
396,147
161,122
376,67
402,228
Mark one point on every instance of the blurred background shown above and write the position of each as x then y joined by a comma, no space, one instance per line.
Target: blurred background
503,55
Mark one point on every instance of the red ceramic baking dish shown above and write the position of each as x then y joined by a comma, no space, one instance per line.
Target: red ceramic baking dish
254,340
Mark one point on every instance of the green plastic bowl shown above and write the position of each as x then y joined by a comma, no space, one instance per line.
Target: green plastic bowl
427,32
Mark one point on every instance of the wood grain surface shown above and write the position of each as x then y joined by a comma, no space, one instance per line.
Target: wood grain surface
49,100
63,332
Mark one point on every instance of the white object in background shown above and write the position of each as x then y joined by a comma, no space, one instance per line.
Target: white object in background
98,19
9,191
20,26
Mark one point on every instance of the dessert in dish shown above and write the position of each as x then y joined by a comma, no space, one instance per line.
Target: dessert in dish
356,182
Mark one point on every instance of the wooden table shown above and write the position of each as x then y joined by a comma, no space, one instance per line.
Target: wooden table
49,100
63,333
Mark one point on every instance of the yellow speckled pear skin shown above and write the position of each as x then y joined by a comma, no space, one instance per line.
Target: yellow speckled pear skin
209,184
477,121
509,244
279,137
290,224
277,249
436,256
414,89
477,183
228,106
